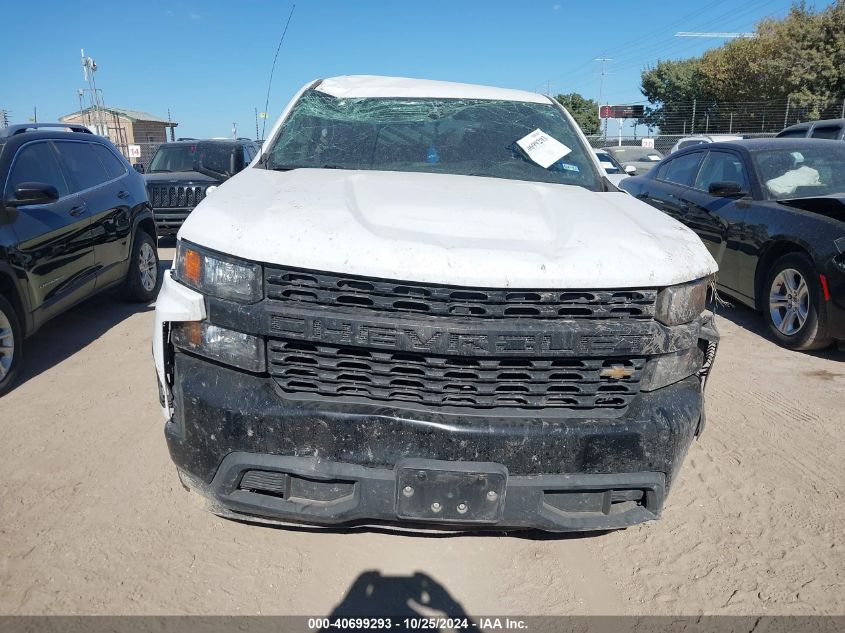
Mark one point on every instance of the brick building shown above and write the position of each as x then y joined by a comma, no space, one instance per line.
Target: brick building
124,127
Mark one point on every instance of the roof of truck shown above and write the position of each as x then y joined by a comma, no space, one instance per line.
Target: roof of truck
356,86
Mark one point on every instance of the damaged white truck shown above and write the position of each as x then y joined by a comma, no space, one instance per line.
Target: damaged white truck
424,305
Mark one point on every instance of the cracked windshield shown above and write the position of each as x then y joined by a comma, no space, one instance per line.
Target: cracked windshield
470,137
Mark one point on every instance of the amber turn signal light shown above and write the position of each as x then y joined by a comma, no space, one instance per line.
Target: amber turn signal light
192,266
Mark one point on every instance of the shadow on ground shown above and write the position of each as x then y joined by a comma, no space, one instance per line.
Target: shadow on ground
400,597
66,334
752,321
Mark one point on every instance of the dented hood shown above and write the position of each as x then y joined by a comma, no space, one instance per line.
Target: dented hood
457,230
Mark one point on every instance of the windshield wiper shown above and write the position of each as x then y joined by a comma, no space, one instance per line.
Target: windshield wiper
292,167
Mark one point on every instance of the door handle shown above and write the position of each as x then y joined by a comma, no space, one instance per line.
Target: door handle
123,195
77,210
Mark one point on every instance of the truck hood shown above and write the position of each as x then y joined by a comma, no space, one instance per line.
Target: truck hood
456,230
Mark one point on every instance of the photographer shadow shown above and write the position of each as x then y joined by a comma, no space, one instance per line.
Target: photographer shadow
419,596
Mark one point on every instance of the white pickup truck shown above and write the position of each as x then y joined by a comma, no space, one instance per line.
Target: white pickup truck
424,304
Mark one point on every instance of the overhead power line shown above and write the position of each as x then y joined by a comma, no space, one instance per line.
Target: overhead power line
715,35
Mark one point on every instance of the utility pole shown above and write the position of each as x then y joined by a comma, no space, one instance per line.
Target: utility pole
603,61
692,123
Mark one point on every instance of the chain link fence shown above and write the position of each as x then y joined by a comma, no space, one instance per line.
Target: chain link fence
148,150
749,119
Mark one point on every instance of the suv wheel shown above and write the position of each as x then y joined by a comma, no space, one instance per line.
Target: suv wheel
11,345
142,280
792,307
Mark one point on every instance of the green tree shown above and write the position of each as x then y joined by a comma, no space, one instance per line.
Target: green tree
800,58
671,87
584,111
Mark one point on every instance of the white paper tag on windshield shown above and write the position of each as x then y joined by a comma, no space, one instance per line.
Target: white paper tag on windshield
542,148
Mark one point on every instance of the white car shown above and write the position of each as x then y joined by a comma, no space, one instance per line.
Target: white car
613,170
424,305
689,141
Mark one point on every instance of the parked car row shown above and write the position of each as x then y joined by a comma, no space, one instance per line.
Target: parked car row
447,261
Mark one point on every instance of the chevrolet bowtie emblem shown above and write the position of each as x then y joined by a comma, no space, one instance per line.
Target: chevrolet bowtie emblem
616,372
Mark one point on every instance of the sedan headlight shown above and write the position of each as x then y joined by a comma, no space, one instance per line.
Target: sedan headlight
217,275
220,344
681,304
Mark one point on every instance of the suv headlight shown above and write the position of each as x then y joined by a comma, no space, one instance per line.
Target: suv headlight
217,275
681,304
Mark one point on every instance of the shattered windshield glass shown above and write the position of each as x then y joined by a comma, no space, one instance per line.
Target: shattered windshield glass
470,137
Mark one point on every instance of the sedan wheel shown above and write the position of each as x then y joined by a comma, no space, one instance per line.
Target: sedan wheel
795,312
789,302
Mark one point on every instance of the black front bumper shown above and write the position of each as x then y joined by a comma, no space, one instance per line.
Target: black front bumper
256,454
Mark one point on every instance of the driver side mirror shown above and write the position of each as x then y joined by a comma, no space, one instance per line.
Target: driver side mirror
630,170
726,189
33,193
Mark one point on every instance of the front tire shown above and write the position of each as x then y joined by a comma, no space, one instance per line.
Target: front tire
11,345
142,279
793,302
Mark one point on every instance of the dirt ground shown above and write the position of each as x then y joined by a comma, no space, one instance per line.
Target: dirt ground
94,521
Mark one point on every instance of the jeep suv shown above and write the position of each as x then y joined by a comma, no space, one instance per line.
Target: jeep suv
181,174
74,221
426,305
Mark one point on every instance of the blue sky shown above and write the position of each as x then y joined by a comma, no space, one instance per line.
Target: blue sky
209,61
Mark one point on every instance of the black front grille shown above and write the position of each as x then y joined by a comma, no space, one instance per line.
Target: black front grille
356,293
175,196
458,381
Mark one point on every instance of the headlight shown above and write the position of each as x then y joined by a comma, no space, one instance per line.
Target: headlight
220,344
667,369
217,275
210,189
681,304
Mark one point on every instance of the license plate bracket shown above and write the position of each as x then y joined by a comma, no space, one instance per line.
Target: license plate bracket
454,492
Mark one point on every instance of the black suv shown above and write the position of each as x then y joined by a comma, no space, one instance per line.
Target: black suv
74,220
182,173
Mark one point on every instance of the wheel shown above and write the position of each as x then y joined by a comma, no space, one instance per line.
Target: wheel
11,345
142,279
794,296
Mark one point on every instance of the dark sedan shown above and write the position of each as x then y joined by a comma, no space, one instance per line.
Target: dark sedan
772,213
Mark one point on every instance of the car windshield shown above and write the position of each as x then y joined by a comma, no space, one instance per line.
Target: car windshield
802,172
609,163
645,154
469,137
174,158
